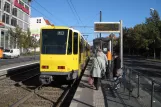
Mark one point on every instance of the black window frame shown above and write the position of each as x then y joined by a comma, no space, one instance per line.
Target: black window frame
63,42
70,43
75,47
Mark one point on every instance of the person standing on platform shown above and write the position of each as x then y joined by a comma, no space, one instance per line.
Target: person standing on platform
109,71
103,56
97,68
117,71
117,65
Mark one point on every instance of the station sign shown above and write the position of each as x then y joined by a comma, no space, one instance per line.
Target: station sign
106,27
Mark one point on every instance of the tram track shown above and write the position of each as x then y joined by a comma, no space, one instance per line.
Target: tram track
10,91
24,89
45,96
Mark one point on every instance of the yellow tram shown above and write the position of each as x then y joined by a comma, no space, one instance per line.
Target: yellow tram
64,53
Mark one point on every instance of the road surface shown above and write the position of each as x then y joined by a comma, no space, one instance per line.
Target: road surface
148,68
17,60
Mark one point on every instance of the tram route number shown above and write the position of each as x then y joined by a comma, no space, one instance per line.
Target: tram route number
60,33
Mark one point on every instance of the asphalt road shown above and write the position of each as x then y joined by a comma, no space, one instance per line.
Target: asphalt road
148,68
17,60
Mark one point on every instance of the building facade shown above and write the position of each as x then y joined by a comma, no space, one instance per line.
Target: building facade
13,13
35,25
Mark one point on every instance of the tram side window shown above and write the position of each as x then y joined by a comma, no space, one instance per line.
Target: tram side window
69,51
80,46
86,51
75,43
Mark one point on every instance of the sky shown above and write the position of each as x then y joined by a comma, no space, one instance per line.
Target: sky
86,12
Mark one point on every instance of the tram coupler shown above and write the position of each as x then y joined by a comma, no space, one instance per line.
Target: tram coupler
46,79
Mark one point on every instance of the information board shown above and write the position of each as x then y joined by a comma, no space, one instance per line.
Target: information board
106,27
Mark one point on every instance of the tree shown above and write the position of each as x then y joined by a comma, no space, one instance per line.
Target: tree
129,41
153,31
13,37
16,36
27,44
20,39
30,41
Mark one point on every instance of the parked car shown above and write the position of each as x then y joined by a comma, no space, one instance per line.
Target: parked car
11,53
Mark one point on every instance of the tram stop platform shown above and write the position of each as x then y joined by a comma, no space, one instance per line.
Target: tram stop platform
86,96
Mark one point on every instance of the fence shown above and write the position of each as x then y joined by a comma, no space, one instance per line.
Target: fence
144,88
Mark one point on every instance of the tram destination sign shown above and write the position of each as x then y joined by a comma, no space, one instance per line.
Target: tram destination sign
106,26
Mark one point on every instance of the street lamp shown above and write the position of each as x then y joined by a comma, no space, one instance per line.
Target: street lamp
152,9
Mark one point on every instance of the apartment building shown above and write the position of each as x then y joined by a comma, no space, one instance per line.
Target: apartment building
35,25
13,13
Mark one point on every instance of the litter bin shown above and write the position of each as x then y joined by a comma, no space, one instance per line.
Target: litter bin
1,52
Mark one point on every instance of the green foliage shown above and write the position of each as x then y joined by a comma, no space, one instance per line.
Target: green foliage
22,39
145,35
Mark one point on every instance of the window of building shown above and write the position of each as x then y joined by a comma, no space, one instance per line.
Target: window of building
7,7
0,3
0,13
26,17
14,11
25,26
20,24
14,22
5,18
20,2
26,7
38,20
20,14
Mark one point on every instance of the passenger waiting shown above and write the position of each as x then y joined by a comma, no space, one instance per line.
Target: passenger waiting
97,68
103,56
117,71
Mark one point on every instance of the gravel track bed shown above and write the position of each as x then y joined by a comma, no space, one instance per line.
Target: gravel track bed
45,97
10,96
11,93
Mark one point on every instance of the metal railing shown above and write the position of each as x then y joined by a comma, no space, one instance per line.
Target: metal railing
128,74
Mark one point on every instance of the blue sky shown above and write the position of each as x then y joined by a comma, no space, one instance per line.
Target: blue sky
132,12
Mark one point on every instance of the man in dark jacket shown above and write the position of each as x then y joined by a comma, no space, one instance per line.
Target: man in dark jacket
117,71
117,65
